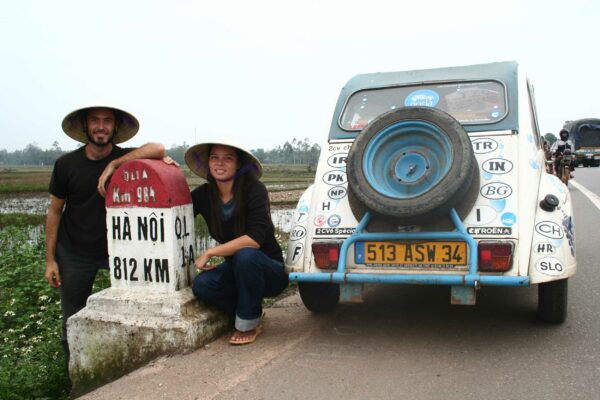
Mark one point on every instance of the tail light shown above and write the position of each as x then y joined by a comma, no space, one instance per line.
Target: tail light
326,254
495,256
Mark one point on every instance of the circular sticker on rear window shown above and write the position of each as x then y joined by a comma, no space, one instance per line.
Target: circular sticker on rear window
423,97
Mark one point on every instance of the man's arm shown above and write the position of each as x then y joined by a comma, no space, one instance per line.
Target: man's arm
52,221
149,150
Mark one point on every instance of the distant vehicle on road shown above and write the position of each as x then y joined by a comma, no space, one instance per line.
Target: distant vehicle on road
586,134
434,177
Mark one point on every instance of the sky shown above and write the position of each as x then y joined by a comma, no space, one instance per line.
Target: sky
269,71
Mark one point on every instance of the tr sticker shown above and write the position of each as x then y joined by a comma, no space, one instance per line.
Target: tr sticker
484,145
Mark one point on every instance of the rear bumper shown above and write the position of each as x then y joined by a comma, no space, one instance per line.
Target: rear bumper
471,278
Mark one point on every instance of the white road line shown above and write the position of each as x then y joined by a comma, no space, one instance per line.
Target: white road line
593,197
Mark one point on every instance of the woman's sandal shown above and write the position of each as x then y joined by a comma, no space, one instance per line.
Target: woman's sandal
247,337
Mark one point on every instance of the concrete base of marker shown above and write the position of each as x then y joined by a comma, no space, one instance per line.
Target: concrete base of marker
120,330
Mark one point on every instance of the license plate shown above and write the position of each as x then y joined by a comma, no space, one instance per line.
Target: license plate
411,254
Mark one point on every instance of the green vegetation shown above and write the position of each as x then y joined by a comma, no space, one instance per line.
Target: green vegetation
25,179
31,356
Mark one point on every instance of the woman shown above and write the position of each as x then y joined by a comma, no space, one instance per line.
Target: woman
235,206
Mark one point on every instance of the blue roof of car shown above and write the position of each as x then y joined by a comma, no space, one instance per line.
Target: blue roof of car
505,72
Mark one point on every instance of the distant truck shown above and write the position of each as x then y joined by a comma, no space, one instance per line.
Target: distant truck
586,135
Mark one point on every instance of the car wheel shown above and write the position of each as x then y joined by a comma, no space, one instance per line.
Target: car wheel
412,164
319,297
552,301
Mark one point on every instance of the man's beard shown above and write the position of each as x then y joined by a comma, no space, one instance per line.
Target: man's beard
100,143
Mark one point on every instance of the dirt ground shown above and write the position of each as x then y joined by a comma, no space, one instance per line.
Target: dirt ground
286,198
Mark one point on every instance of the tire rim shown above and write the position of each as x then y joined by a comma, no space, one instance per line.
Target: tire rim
407,159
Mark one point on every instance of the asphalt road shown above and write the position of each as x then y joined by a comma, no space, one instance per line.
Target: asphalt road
405,342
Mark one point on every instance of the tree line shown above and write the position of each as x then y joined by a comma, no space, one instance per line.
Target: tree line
294,152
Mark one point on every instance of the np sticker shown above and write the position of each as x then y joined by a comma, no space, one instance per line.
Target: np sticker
337,192
550,266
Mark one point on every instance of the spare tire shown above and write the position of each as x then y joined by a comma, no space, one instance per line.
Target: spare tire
412,164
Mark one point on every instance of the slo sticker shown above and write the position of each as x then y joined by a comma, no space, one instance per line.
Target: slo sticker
550,266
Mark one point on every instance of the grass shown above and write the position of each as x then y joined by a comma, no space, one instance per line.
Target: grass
31,356
31,179
25,179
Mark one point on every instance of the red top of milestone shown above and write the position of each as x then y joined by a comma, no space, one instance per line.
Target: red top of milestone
147,183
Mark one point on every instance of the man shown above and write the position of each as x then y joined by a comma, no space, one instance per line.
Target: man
560,146
76,244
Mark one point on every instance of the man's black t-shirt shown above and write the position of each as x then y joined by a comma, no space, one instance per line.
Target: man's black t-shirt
82,227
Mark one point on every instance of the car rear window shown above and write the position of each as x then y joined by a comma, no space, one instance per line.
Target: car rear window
477,102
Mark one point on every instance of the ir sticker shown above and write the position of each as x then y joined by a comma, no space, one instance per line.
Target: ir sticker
337,160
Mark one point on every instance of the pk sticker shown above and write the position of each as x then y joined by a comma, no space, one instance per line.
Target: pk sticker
335,177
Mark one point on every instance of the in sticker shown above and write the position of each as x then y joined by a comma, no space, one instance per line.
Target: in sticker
497,166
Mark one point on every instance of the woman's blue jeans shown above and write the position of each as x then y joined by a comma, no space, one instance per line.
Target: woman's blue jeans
239,284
